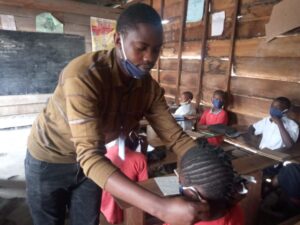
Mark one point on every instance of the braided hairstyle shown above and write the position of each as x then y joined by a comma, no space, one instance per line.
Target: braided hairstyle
209,168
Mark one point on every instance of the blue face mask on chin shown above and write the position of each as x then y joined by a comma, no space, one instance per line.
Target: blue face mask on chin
217,103
274,112
129,67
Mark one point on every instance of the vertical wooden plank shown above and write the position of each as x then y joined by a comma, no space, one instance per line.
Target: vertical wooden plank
203,51
232,45
180,47
162,6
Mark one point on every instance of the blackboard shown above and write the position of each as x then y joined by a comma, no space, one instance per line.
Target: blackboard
30,62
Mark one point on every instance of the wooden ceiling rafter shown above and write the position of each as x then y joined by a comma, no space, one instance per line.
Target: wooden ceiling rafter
66,6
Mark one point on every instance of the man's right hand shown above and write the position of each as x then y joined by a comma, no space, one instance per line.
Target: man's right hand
178,211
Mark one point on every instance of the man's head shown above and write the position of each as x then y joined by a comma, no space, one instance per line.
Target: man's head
218,99
186,96
139,36
209,172
280,106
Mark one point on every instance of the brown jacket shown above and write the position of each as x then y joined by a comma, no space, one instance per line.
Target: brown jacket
88,108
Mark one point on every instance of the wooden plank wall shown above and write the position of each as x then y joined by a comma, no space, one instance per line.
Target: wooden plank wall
261,71
25,21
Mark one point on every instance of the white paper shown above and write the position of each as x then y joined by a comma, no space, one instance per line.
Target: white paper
168,185
195,11
121,143
217,25
8,22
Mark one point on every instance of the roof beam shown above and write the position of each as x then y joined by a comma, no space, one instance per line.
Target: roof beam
66,6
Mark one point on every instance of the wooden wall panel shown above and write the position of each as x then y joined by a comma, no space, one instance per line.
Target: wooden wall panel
284,69
188,65
265,88
214,82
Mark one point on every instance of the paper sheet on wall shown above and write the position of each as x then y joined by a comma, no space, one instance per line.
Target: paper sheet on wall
168,185
217,24
8,22
194,11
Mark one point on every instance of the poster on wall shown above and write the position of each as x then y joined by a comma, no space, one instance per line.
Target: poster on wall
8,22
46,22
102,31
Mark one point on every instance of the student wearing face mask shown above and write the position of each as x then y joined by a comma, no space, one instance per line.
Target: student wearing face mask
277,130
215,115
186,109
101,96
206,175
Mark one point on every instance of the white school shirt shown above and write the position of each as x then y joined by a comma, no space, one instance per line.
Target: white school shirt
271,137
186,109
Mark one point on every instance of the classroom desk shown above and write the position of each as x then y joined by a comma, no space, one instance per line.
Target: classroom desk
281,155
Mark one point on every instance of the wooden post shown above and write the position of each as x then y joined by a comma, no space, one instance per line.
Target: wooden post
203,51
232,46
162,5
180,46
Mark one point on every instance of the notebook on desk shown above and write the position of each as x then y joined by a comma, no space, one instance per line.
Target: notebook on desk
168,185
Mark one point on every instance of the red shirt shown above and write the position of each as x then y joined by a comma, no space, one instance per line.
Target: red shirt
209,118
235,216
135,168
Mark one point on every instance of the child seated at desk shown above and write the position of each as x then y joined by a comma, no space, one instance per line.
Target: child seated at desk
134,167
215,115
206,175
277,130
186,109
284,201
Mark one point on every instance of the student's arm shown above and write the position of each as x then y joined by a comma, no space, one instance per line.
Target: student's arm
286,138
202,121
175,211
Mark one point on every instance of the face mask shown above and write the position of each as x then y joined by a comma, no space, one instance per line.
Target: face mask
217,103
130,68
274,112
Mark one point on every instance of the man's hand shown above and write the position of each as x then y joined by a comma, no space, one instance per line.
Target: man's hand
178,211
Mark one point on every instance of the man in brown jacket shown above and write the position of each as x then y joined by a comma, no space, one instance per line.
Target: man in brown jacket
100,96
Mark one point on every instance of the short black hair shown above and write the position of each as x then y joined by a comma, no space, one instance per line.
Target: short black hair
284,101
221,93
188,94
137,13
210,168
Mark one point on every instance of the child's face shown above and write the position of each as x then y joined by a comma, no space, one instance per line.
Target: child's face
184,98
219,97
217,101
195,193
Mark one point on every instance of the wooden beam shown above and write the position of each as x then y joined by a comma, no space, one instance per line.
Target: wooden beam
162,5
180,47
66,6
232,45
203,51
